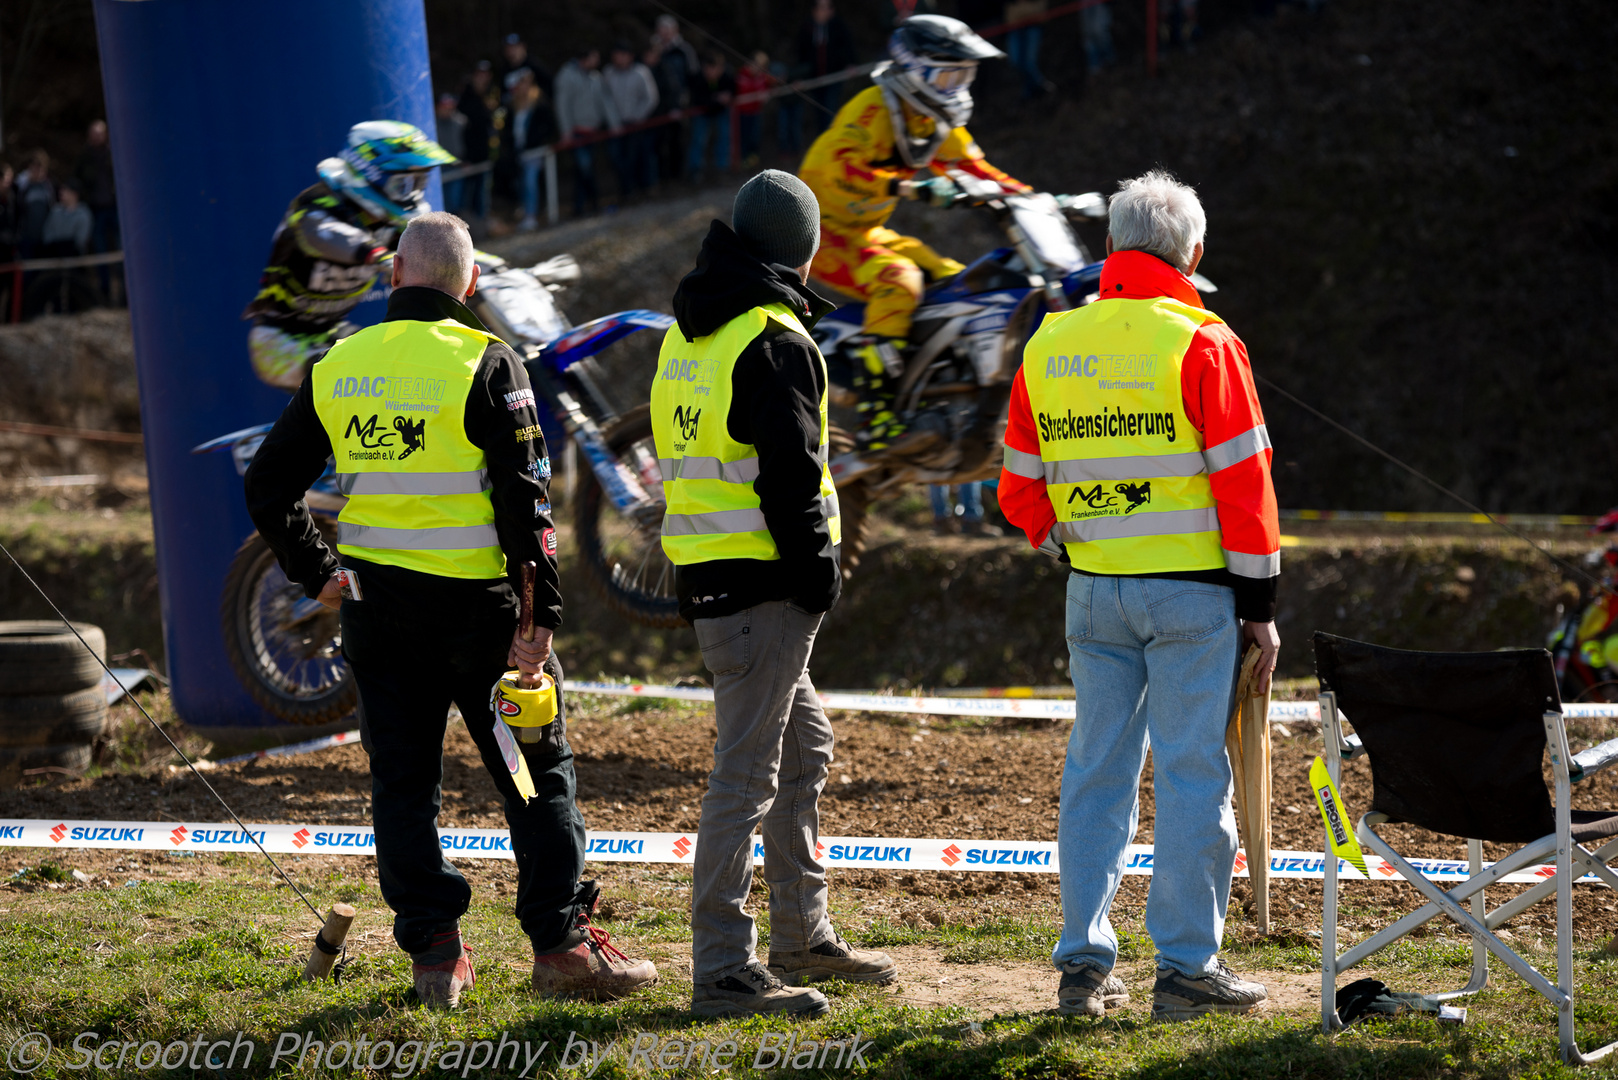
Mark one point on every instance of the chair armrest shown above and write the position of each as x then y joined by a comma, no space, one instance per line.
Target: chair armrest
1587,763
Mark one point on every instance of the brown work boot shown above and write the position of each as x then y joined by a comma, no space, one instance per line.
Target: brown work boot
588,965
439,983
833,959
753,991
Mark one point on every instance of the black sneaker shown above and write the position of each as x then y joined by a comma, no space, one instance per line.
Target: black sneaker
753,991
1089,991
1180,997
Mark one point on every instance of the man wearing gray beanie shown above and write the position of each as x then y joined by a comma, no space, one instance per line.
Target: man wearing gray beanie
753,529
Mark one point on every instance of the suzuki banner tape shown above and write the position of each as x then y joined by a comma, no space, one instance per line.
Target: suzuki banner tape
860,852
1033,708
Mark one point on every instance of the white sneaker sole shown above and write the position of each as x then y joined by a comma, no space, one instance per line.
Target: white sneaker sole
1083,1006
812,1007
1173,1014
805,976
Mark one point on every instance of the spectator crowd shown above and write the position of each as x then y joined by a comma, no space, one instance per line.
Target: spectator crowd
631,119
46,211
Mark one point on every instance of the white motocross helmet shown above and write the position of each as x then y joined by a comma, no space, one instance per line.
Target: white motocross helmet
933,60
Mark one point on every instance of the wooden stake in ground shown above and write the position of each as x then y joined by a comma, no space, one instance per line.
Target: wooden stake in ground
1247,741
329,943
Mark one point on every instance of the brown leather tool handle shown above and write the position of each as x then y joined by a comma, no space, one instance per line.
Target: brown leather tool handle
525,617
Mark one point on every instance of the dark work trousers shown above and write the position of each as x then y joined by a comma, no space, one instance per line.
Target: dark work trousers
408,671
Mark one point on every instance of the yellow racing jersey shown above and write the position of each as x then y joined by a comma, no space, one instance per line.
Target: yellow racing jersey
854,166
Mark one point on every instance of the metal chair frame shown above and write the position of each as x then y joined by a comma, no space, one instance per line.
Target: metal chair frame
1573,861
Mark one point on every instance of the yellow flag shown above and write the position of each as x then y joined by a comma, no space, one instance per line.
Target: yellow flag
516,764
1340,836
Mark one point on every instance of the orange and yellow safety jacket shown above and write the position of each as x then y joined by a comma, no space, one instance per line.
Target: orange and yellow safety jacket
1136,445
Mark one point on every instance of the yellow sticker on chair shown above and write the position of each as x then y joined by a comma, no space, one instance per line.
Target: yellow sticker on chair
1332,811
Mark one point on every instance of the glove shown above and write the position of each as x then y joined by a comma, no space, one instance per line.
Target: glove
939,191
1090,205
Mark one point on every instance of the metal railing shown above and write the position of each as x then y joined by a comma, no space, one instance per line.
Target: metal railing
66,262
548,153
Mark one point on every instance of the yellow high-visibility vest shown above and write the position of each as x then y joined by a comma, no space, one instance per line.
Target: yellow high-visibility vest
392,398
1122,463
713,512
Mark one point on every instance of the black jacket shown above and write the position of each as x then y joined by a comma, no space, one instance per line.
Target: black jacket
776,387
295,452
823,50
318,271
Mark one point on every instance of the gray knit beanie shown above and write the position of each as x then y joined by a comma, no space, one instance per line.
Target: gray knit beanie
778,218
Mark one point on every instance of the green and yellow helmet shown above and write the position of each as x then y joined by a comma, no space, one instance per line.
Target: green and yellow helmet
385,168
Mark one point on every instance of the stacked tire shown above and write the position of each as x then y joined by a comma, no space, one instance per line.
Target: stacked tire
52,706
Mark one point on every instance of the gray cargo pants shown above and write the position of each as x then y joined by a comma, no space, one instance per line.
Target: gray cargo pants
770,762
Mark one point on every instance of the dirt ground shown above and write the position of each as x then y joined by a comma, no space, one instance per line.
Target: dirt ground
644,769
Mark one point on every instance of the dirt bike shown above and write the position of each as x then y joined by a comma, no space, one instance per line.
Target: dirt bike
287,649
1584,644
969,332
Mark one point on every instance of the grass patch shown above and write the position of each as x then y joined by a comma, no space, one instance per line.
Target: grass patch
163,962
44,873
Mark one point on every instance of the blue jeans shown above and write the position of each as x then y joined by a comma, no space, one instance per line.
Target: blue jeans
789,124
584,177
702,126
530,188
828,99
971,496
1096,25
1022,47
1153,663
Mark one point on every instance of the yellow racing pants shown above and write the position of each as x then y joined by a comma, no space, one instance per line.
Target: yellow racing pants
883,268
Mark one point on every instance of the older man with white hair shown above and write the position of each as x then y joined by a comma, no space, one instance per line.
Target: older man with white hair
1136,453
436,436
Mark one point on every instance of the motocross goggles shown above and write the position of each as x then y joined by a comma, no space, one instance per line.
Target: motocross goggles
402,186
947,75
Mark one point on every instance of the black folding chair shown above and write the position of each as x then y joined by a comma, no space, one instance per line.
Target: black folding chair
1456,745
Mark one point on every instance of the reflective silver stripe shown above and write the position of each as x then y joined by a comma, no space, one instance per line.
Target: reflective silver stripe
421,483
1018,463
448,538
1165,523
1242,564
717,523
1242,447
830,506
1089,470
743,471
1049,546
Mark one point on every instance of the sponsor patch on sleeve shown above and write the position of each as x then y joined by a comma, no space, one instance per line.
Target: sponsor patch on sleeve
549,539
519,399
529,433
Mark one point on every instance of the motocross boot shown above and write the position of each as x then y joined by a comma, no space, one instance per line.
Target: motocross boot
878,363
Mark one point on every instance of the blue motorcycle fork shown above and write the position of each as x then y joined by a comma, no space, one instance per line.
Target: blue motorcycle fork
622,486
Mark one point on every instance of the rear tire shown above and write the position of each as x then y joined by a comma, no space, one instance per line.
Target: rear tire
44,657
627,565
72,758
39,720
625,562
853,502
285,648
